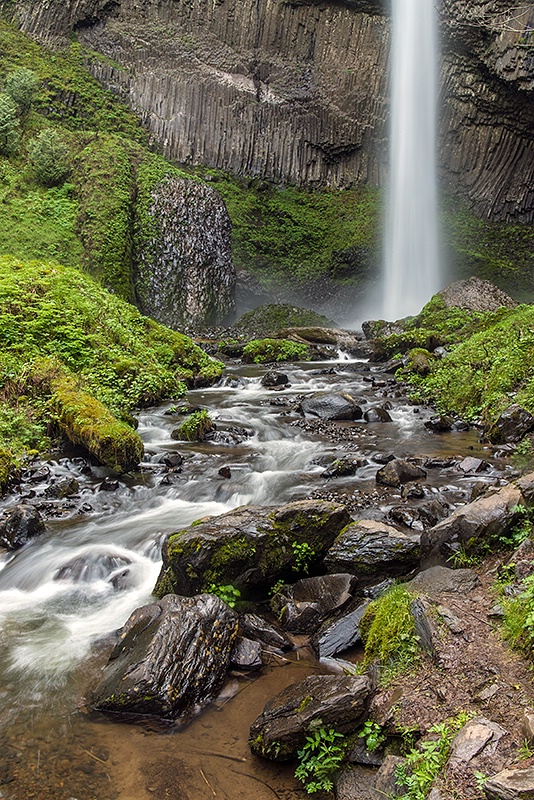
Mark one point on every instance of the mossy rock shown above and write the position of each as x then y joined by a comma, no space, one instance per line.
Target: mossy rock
250,548
267,320
261,351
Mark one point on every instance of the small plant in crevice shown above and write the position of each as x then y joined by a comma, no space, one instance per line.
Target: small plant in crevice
319,760
228,594
303,555
425,761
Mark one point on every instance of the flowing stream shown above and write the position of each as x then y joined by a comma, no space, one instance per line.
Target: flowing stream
412,268
61,595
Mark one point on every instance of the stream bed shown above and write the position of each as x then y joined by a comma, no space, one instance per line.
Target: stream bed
65,593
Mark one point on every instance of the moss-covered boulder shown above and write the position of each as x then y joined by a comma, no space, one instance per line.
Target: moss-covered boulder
250,548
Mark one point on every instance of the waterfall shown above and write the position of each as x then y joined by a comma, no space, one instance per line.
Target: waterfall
412,270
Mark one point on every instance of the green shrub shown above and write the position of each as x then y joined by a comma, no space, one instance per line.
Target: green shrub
21,86
261,351
50,158
9,125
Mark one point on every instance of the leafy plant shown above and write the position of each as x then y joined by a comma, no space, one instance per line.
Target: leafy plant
518,619
196,426
228,594
50,157
320,759
525,750
276,587
303,555
425,762
373,735
260,351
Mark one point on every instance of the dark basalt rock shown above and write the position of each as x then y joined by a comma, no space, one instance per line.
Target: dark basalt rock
246,655
22,524
371,551
440,423
419,517
329,701
343,467
258,629
171,658
92,567
331,406
271,379
251,547
399,471
65,487
302,606
511,426
377,414
337,635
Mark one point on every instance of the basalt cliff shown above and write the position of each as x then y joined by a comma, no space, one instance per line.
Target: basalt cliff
297,91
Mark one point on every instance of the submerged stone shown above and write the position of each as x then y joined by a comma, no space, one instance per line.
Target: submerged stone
22,524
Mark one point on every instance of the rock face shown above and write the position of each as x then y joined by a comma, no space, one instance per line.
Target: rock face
337,702
371,551
172,657
185,273
250,548
299,91
511,784
475,294
21,524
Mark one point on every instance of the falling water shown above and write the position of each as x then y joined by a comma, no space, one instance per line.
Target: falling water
412,271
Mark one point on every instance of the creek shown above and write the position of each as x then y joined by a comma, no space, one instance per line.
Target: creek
64,593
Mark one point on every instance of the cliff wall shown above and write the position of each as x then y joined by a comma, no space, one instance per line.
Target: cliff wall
298,91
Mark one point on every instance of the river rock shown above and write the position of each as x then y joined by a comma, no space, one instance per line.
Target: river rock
337,635
92,567
246,655
171,658
327,701
377,414
258,629
22,524
331,406
418,517
372,550
271,379
473,525
251,547
302,606
343,467
439,423
399,471
511,426
65,487
511,784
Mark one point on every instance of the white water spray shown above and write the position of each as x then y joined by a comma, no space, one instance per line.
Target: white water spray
412,270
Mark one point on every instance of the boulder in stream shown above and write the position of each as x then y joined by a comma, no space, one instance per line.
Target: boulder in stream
171,658
328,701
22,524
372,550
302,606
512,425
399,471
250,548
331,406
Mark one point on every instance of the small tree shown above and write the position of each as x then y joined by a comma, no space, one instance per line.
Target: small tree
50,157
9,125
21,86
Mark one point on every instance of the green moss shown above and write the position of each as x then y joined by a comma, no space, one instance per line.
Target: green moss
196,427
268,319
388,630
261,351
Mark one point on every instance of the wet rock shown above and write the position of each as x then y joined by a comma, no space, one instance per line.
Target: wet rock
224,472
232,435
418,517
65,487
21,524
343,467
258,629
92,567
440,423
109,485
511,784
337,702
36,474
358,754
473,525
377,414
302,606
331,406
272,378
251,547
173,460
246,655
399,471
372,551
525,484
511,426
420,362
442,579
337,635
412,491
472,465
171,658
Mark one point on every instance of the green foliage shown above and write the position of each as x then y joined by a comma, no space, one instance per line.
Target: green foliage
319,760
228,594
388,631
271,318
425,762
372,734
261,351
9,125
518,622
303,555
21,86
50,158
196,426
